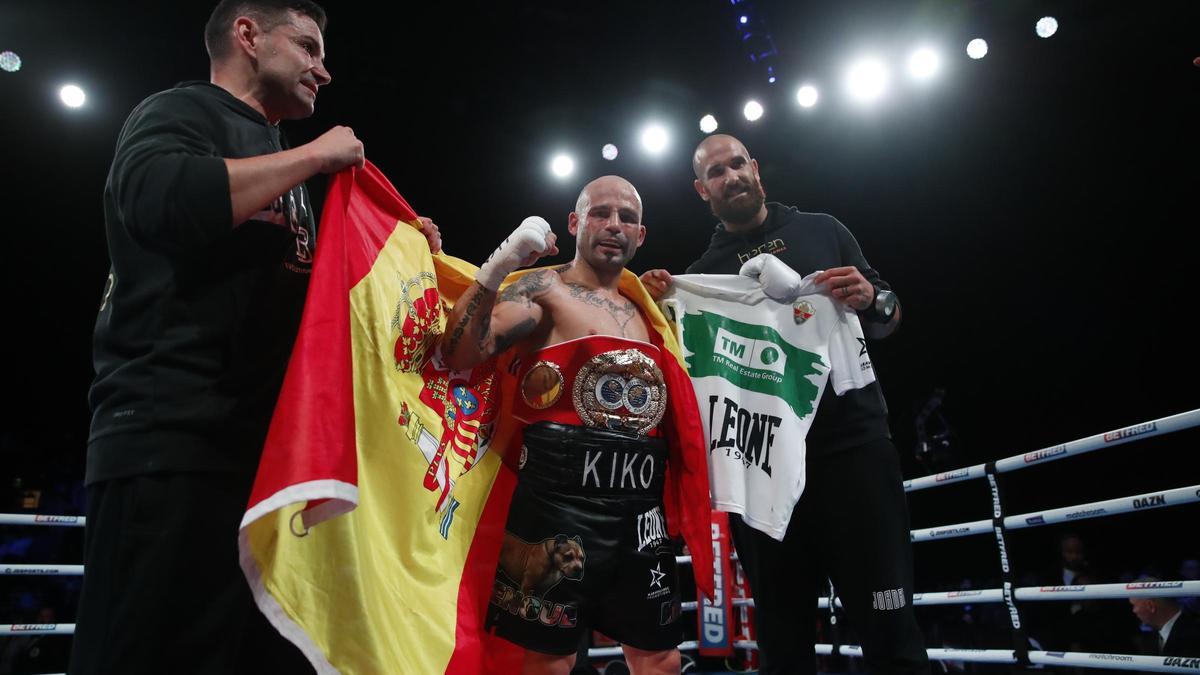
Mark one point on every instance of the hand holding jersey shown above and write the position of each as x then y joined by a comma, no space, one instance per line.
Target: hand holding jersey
779,282
761,348
848,285
657,282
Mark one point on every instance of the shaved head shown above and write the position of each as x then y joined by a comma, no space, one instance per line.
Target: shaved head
727,178
607,224
710,145
604,182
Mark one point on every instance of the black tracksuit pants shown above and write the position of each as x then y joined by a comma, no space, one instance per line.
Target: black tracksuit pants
851,524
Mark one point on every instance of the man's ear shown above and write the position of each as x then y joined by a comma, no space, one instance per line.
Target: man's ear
247,36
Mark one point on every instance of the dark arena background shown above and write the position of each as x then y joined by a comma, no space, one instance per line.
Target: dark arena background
1035,209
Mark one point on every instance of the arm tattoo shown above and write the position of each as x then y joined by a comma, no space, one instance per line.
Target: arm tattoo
514,335
485,326
472,305
620,314
525,289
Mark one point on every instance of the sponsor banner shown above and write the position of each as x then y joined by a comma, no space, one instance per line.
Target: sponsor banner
746,631
1085,513
1062,589
1130,432
66,520
31,571
1045,453
1142,585
1125,658
952,475
950,531
1150,501
716,616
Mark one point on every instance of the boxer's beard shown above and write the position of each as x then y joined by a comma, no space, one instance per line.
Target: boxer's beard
739,211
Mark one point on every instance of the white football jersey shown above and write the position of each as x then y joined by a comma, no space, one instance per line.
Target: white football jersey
759,368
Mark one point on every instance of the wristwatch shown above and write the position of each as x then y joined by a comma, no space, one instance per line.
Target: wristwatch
884,307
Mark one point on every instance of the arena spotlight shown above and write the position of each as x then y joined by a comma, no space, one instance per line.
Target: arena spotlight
654,139
10,62
977,48
562,166
72,96
609,151
807,96
923,63
867,80
753,111
708,124
1046,26
742,19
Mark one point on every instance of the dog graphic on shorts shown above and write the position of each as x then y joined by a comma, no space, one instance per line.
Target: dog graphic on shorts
539,566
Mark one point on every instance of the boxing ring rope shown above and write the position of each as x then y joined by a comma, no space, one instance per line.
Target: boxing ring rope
1109,507
41,570
37,629
50,521
1148,589
1183,495
1163,664
1158,427
1156,664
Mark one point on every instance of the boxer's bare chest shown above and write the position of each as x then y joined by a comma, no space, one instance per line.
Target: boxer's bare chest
578,311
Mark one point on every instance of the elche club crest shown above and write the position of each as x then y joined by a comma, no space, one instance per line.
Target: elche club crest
802,310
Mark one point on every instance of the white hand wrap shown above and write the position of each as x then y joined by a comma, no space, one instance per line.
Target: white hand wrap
529,238
779,281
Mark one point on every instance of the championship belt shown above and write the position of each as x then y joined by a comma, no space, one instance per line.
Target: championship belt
598,381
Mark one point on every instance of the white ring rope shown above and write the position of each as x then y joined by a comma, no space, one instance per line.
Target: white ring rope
952,531
1120,436
1146,589
1158,664
53,521
40,570
687,559
1110,507
1162,664
37,628
1139,589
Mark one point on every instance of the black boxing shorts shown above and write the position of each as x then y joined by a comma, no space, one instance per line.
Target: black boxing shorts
586,544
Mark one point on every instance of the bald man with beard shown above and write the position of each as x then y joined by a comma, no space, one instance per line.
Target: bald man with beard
851,522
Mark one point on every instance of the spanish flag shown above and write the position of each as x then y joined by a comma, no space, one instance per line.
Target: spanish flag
374,526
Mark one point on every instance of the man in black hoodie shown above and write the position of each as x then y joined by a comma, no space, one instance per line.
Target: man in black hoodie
211,235
851,523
